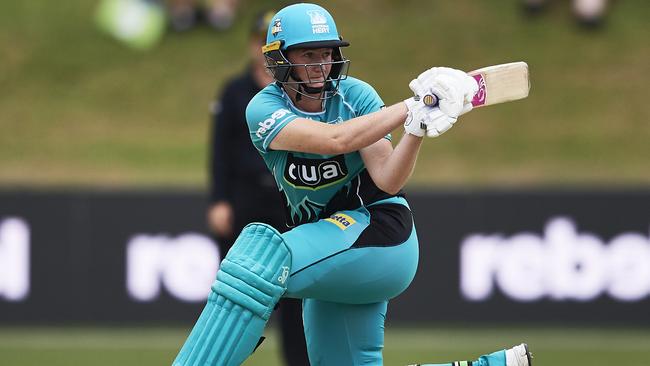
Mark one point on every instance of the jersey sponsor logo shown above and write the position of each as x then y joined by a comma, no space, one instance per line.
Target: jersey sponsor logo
304,173
341,220
266,125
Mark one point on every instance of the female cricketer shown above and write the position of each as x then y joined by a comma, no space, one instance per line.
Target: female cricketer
326,138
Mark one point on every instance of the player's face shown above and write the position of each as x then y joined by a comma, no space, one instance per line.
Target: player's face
319,65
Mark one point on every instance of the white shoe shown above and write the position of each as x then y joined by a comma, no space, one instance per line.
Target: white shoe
519,356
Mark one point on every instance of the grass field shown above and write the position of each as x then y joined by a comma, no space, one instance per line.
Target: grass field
78,108
158,346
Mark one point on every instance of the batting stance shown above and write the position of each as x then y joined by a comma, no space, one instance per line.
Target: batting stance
326,138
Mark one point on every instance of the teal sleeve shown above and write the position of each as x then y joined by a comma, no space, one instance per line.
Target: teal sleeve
266,116
367,100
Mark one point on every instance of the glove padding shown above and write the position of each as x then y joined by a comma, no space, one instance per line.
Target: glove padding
435,121
415,117
454,89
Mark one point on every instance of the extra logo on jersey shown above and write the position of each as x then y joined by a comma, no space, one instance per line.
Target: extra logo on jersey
314,174
341,220
265,126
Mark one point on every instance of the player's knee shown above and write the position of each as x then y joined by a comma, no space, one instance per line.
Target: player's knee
255,271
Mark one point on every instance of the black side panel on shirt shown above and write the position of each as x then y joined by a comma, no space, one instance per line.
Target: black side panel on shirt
390,224
362,191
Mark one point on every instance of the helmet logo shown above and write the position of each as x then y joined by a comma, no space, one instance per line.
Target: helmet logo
317,17
277,27
318,22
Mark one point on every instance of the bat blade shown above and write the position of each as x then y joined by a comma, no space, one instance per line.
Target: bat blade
501,83
496,84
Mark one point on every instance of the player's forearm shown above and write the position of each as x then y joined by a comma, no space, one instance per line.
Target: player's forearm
398,166
363,131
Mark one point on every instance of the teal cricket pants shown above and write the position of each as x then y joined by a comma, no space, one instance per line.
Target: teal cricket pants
346,268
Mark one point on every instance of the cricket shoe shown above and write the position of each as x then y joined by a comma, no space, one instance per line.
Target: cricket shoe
519,356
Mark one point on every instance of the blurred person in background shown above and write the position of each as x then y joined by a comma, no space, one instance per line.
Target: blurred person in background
589,13
242,189
219,14
141,24
353,245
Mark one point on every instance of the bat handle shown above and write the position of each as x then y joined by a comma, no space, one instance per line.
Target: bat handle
430,100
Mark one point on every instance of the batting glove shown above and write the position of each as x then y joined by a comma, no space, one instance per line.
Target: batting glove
453,88
415,117
424,120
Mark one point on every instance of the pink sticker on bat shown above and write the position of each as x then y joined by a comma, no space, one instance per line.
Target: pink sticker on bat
481,94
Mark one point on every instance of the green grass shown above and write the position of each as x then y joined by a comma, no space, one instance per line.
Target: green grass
77,108
25,346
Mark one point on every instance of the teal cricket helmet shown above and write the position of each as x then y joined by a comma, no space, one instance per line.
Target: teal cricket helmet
304,26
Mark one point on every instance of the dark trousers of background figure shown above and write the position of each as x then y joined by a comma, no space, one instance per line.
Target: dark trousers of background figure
288,313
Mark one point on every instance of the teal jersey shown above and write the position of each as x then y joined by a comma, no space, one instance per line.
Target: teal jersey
314,185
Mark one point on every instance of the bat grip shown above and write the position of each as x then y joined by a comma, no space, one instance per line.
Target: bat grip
430,100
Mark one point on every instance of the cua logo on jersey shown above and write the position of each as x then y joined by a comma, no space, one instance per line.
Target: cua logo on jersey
314,174
341,220
266,125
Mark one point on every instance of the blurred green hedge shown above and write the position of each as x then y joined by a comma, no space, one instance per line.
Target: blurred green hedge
78,108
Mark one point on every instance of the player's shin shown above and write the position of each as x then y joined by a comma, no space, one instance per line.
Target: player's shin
250,281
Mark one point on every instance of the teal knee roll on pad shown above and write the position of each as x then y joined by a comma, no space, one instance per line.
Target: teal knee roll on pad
250,281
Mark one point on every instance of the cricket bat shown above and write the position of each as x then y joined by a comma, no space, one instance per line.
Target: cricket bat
496,84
